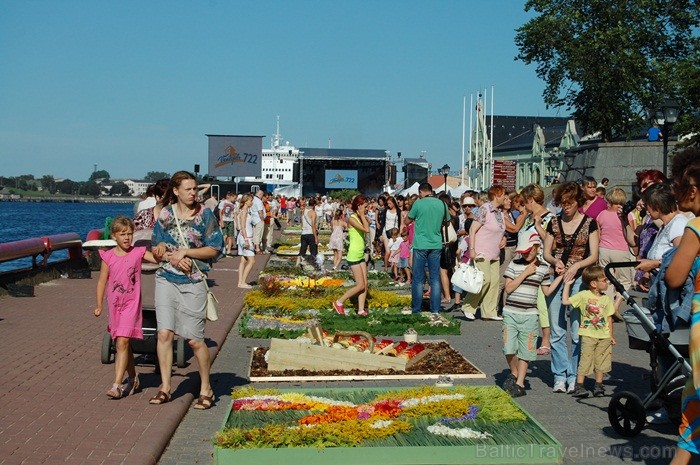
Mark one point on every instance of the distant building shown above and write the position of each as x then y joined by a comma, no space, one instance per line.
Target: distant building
136,187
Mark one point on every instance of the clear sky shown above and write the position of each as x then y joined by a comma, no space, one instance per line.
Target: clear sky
134,86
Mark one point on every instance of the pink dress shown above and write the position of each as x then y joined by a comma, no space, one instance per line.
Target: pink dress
124,292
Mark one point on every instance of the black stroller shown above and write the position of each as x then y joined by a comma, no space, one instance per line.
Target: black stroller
626,411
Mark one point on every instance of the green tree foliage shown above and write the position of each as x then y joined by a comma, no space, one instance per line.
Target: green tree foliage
154,176
99,174
68,187
48,183
345,195
119,189
609,61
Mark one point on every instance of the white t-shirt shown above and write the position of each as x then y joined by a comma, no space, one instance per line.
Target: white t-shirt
254,210
148,202
666,235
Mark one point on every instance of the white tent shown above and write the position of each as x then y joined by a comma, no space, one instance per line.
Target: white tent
459,190
292,190
409,190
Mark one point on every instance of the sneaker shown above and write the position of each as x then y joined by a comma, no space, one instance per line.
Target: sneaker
598,390
362,313
572,387
469,316
339,308
509,382
579,391
495,318
559,386
517,391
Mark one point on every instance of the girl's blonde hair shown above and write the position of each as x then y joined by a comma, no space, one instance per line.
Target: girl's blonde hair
616,196
119,224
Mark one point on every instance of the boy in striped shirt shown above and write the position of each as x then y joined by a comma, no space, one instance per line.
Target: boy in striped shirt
523,277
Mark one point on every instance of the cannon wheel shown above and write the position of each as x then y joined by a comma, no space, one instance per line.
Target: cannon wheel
626,414
107,348
180,353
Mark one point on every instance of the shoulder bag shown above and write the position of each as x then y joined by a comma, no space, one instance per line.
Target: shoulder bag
212,301
468,277
450,235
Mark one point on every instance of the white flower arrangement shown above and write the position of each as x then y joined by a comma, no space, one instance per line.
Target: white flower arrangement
379,424
429,399
464,433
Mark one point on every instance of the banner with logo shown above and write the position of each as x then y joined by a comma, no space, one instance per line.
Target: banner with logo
235,156
341,179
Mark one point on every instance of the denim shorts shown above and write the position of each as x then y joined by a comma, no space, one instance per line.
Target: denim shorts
520,332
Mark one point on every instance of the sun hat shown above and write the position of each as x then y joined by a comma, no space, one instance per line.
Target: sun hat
526,241
468,201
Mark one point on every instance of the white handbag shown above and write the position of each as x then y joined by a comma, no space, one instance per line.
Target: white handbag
468,277
212,301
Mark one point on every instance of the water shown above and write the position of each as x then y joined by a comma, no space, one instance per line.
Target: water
24,220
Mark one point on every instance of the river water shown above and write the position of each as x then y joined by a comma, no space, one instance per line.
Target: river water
24,220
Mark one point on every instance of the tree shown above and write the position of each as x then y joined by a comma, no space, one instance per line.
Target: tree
67,187
119,189
154,176
99,174
48,183
611,60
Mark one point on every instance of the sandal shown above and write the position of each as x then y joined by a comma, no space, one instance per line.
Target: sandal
161,398
204,402
116,391
543,350
132,385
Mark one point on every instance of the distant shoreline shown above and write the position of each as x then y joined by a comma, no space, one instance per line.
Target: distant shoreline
74,199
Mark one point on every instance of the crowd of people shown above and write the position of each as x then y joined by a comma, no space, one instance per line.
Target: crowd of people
542,265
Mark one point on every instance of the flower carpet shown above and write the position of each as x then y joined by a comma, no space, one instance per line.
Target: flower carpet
428,425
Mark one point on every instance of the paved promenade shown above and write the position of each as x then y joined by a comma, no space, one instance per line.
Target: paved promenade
53,407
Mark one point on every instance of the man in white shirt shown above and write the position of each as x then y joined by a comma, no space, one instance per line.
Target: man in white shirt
257,212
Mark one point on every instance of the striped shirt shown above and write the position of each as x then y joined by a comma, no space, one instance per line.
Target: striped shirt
524,299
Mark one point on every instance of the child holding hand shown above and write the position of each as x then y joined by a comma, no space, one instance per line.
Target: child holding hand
596,329
524,277
120,276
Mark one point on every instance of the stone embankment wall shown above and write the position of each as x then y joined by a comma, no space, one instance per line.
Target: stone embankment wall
617,161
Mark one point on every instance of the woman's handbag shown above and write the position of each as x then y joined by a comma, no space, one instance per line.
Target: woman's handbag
450,235
468,277
212,301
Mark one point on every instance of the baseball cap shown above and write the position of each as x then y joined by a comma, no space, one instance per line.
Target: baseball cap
527,241
468,201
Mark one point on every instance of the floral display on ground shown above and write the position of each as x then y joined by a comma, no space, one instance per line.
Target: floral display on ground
441,359
422,416
284,306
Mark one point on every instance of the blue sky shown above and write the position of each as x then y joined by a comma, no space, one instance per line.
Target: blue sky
134,86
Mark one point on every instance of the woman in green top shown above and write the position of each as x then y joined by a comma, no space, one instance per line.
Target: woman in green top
358,226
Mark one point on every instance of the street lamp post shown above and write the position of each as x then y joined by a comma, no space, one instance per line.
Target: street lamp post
445,170
669,110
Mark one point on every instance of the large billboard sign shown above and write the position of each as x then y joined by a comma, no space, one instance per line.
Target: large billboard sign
341,179
235,156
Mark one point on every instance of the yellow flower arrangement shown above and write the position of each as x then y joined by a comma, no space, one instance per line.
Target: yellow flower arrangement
291,300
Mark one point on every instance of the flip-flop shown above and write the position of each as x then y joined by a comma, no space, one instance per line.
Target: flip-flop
161,398
543,350
204,402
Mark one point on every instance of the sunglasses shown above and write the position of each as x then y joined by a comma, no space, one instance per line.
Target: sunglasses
468,206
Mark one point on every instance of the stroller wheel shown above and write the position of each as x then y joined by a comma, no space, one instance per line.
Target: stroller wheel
626,414
107,348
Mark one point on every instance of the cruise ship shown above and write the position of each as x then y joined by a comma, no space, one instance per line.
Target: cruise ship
279,162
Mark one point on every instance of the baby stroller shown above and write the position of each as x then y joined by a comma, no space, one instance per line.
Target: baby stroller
147,345
626,411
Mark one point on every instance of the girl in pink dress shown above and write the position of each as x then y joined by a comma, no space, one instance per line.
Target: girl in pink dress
120,275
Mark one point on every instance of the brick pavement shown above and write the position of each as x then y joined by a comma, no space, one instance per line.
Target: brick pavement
580,425
53,407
